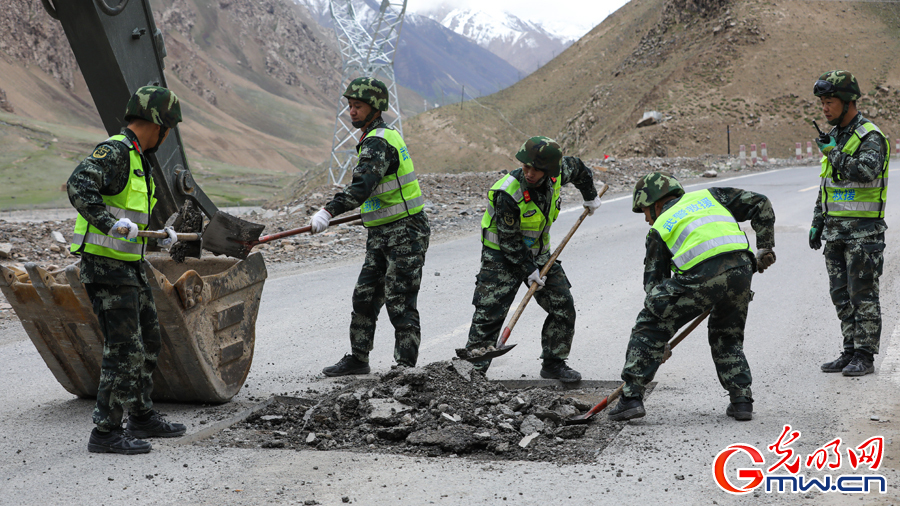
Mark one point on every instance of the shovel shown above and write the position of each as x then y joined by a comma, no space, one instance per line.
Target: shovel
229,235
585,418
501,348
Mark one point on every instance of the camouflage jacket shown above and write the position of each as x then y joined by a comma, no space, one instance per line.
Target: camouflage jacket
104,172
861,167
377,158
743,205
508,216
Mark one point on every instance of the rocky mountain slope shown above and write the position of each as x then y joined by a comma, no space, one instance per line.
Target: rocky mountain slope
705,65
258,77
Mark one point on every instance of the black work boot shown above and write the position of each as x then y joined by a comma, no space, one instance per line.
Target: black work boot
627,409
347,366
860,365
152,424
741,411
116,441
558,369
839,364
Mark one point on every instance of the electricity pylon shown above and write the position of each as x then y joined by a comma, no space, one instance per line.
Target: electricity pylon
365,52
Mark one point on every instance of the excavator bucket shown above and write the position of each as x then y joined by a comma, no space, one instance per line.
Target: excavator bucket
207,314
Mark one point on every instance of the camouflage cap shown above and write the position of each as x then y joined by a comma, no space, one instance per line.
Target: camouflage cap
655,186
369,90
156,105
542,153
837,83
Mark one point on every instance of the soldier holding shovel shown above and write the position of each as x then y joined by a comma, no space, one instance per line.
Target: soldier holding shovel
515,228
696,235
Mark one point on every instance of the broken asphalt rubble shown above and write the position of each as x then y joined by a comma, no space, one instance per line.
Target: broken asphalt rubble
444,408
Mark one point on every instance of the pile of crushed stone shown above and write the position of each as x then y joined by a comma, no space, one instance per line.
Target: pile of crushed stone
442,409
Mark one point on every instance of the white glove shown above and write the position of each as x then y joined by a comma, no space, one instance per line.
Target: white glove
535,277
124,223
319,221
592,205
168,241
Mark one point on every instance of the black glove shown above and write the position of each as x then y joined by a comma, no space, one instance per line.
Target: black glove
815,238
836,175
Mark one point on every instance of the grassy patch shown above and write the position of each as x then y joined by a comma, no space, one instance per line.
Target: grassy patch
36,160
283,119
231,185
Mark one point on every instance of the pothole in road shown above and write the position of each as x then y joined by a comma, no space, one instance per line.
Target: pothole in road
442,409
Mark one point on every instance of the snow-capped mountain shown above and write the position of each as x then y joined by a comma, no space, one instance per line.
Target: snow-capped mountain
525,45
434,61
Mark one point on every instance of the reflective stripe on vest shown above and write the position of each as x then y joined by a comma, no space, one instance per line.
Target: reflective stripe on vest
137,217
397,195
535,228
134,202
855,200
697,228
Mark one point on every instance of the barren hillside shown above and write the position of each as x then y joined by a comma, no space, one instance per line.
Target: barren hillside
256,78
704,64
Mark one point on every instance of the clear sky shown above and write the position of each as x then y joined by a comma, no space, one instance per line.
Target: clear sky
561,15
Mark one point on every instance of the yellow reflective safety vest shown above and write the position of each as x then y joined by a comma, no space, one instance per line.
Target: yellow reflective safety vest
534,225
697,228
135,202
855,200
397,195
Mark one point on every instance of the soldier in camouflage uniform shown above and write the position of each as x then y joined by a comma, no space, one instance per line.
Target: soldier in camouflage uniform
516,244
696,235
112,191
385,189
849,216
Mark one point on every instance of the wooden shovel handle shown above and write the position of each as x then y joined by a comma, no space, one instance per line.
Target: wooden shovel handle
534,286
295,231
160,235
618,391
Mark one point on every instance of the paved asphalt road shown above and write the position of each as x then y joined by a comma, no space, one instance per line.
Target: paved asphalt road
665,457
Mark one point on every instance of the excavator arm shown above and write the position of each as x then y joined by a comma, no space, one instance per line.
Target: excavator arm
207,306
119,49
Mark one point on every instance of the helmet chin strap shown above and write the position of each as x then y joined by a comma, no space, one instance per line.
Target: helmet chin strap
159,141
537,184
363,123
653,214
840,119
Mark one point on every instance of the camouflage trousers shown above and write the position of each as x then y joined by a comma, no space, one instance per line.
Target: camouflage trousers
674,303
495,290
854,267
390,276
131,344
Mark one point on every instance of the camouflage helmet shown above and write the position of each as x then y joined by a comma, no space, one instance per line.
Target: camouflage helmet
653,187
156,105
837,83
542,153
369,90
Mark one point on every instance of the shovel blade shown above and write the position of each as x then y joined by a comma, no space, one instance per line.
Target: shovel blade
467,355
579,419
229,235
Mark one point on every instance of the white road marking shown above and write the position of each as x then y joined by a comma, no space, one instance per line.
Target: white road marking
810,188
890,366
